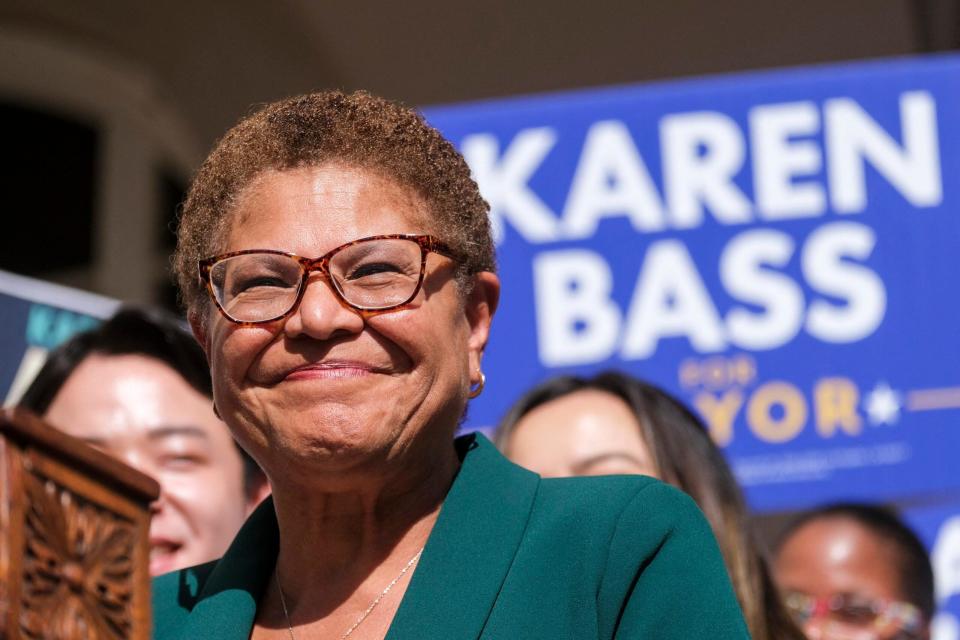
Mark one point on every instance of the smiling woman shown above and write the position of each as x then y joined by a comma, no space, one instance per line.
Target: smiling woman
336,261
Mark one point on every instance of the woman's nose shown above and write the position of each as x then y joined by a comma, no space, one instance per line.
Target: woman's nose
321,314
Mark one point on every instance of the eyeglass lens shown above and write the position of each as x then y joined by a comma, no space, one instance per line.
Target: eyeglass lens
375,274
851,617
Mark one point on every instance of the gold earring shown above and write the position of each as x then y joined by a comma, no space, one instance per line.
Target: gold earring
477,390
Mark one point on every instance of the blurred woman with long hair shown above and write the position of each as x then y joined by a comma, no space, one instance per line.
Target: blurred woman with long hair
613,424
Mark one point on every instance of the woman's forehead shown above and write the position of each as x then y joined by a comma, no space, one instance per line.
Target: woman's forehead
328,204
330,199
841,555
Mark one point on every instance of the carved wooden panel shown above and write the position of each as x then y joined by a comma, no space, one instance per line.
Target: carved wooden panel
74,550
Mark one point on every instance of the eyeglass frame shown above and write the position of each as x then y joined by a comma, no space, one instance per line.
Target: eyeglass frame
428,244
880,607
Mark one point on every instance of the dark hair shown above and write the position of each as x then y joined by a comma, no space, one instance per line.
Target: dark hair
686,457
131,331
357,129
914,571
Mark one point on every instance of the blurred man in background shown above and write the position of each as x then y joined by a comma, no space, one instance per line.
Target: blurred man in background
138,388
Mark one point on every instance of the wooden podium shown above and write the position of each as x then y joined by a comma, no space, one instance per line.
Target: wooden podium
74,546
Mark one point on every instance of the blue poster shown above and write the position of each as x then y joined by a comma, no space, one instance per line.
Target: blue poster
780,249
36,317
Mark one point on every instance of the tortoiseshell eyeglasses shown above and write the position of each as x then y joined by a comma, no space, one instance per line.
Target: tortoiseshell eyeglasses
371,275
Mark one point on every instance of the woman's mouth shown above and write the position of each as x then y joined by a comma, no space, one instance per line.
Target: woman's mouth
331,370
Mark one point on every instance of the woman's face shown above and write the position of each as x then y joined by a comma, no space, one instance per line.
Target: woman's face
836,557
144,413
325,388
585,433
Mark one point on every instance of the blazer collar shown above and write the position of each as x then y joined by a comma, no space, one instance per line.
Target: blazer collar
226,606
471,547
455,584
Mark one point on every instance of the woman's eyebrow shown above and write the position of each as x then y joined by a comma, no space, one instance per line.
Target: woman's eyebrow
582,465
168,431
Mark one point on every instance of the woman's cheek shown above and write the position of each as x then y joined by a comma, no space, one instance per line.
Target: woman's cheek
237,352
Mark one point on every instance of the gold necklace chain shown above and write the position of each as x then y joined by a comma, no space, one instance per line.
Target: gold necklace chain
363,616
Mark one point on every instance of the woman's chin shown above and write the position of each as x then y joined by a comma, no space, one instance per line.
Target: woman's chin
349,423
334,445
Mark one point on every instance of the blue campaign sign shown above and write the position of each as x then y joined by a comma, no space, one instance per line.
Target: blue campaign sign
780,249
37,316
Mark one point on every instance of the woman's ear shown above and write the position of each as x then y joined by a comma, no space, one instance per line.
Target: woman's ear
480,306
199,328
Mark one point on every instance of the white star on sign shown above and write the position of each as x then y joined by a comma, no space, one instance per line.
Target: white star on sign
883,405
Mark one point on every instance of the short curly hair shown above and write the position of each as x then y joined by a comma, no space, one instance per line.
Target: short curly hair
356,129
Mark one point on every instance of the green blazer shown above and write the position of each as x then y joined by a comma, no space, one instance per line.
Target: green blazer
511,557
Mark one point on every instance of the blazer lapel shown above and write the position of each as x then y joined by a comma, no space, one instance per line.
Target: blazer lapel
227,604
456,582
471,548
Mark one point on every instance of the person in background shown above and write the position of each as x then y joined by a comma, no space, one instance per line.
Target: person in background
616,424
138,387
856,572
